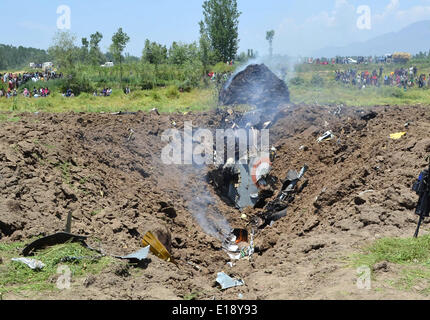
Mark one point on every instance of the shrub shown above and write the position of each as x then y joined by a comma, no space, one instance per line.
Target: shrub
147,85
77,84
186,86
297,81
317,81
172,92
155,96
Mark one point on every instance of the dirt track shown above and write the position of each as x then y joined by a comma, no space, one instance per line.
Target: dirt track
117,188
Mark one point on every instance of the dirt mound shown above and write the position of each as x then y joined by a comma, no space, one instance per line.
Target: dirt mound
107,170
257,86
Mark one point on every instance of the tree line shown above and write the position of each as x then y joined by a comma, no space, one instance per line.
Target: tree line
17,57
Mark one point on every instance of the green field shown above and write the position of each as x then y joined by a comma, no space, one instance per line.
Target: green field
180,89
164,99
304,90
411,255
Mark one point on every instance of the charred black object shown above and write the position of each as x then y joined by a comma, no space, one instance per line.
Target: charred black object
257,86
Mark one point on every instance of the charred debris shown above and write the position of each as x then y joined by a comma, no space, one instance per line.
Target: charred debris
245,180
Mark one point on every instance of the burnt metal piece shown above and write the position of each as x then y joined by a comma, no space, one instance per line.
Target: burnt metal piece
52,240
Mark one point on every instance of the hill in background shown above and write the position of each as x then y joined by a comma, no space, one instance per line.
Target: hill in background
412,39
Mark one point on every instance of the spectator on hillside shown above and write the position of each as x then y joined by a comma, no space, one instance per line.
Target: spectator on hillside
69,93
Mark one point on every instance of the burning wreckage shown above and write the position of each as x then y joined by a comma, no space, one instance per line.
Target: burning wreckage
245,180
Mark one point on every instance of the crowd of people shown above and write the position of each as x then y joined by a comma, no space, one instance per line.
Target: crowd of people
106,92
36,93
219,78
14,81
17,80
401,77
8,93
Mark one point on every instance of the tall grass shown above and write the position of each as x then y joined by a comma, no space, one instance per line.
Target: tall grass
164,99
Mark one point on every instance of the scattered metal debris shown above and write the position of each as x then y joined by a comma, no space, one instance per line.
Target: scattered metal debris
52,240
397,136
122,113
156,247
326,137
155,110
130,134
227,282
291,182
56,239
236,244
277,209
137,256
31,263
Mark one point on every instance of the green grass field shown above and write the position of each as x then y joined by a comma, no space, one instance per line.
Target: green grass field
18,278
410,254
168,98
164,99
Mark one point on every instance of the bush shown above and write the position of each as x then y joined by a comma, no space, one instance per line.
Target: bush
77,84
222,67
297,81
186,86
317,81
155,96
172,92
147,85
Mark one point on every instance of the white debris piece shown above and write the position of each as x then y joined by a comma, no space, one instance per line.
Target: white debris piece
31,263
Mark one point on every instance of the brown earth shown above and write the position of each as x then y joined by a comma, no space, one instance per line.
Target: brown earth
117,188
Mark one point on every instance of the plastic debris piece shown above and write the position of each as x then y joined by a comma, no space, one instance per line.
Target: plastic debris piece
227,282
31,263
397,136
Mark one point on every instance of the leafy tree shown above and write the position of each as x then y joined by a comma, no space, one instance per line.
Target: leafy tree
269,37
63,50
84,50
205,54
119,42
96,56
130,59
180,53
17,57
154,53
221,23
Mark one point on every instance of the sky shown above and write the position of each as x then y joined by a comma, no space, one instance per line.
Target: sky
301,26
